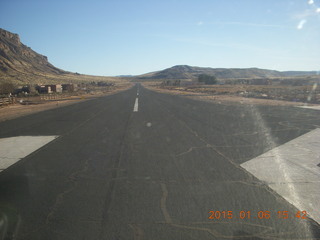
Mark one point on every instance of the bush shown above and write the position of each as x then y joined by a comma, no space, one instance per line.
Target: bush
207,79
6,88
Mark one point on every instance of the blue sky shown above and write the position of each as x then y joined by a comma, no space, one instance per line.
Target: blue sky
115,37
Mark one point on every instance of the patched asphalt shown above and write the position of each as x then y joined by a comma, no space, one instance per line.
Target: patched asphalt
155,173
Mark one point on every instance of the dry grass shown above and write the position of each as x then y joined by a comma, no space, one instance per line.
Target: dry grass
246,94
23,78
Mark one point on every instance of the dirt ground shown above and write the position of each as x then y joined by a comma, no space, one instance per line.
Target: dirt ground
17,110
226,96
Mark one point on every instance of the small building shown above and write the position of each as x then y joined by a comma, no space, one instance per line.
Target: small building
56,88
44,89
69,87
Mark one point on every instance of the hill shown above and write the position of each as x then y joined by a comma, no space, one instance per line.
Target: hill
188,72
20,65
300,73
17,57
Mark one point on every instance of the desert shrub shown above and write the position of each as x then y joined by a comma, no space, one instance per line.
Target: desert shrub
6,88
207,79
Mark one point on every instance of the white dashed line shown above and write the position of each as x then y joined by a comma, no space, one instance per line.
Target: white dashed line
136,105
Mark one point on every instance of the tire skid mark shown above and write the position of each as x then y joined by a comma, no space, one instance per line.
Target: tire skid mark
216,234
114,176
263,132
190,150
60,197
251,178
163,203
73,176
168,220
138,233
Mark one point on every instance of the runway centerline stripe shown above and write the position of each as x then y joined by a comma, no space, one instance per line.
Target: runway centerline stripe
136,105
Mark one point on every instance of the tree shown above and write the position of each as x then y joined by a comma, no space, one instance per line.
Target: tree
6,88
207,79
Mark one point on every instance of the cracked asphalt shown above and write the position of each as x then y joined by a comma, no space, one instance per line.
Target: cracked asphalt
152,174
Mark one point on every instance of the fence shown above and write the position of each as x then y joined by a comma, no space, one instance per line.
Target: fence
52,97
7,101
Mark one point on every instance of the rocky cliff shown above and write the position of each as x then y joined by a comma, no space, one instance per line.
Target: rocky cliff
17,58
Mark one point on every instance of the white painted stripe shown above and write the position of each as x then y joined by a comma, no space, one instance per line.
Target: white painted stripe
13,149
311,107
136,105
291,170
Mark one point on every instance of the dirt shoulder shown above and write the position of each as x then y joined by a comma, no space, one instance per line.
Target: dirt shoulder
17,110
225,96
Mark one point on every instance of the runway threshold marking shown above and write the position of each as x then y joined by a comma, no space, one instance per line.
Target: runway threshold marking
136,105
310,107
292,171
13,149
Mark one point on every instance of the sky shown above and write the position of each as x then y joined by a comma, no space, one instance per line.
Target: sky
130,37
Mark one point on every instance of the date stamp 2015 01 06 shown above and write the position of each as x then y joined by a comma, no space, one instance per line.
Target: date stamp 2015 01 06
218,215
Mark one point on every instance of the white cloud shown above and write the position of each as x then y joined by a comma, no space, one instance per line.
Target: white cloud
200,23
301,24
305,14
310,12
311,2
248,24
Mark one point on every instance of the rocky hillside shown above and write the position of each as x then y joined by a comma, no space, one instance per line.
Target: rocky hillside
188,72
20,65
17,57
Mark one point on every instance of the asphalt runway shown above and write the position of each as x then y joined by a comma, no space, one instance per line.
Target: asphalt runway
152,168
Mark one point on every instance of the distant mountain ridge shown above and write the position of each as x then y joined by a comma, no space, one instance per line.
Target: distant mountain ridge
189,72
20,64
300,73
